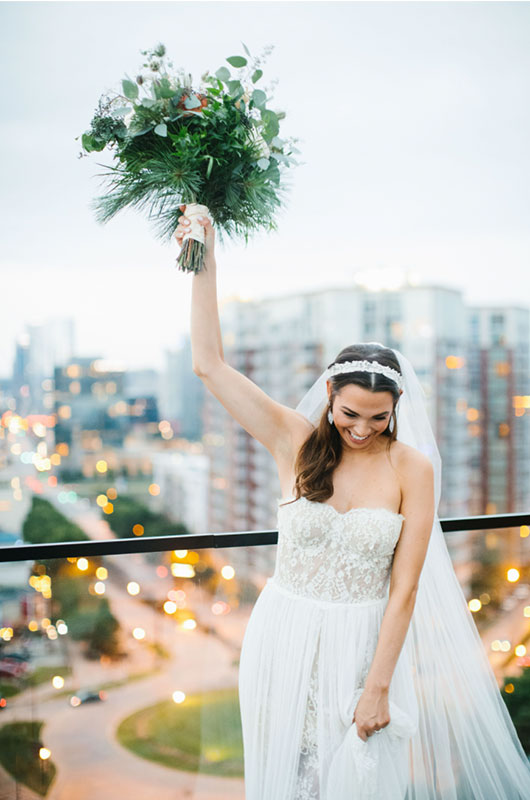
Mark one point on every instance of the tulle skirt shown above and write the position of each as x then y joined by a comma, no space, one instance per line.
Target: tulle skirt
302,670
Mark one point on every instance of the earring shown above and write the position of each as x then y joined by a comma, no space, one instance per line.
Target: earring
330,417
391,424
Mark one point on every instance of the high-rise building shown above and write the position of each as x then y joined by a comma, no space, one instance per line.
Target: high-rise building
90,407
499,426
183,480
37,352
182,393
499,409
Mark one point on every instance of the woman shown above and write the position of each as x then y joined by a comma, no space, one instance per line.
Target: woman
362,674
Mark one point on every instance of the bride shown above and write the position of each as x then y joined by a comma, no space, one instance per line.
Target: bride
362,674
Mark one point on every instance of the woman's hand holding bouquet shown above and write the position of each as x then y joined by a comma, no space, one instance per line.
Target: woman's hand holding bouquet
204,224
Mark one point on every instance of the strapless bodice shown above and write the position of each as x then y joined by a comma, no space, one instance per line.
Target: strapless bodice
329,556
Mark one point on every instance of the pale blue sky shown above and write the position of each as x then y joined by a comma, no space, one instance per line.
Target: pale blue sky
415,128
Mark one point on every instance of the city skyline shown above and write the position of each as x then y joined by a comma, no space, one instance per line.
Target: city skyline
367,281
414,147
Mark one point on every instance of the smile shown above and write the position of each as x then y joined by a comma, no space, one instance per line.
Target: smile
358,438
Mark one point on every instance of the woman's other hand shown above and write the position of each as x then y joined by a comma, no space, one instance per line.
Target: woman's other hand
371,713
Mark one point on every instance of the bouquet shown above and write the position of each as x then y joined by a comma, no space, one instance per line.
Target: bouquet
215,149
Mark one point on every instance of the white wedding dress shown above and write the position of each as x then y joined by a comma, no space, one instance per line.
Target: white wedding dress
306,652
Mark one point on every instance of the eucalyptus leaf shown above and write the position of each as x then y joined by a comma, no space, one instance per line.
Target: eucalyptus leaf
237,61
271,126
146,128
192,102
130,89
148,102
259,98
263,163
166,90
223,74
257,75
86,141
161,129
121,111
245,48
277,142
236,89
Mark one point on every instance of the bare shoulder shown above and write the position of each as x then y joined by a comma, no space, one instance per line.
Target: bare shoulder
416,478
410,462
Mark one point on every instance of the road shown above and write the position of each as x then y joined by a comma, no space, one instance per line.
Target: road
90,762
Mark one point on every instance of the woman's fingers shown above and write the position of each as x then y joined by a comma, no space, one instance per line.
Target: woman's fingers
182,227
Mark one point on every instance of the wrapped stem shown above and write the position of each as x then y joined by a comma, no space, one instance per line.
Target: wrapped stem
191,258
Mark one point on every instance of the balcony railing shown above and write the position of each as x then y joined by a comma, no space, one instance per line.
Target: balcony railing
149,629
158,544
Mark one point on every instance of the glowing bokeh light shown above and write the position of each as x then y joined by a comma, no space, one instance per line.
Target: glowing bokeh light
228,572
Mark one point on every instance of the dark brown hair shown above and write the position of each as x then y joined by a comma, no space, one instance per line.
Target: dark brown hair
321,452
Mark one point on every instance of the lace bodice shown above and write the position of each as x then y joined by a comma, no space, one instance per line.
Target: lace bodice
334,557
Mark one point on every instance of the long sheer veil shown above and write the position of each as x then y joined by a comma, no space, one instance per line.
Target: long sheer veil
466,746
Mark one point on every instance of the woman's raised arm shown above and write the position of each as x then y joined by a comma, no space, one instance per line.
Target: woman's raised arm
279,428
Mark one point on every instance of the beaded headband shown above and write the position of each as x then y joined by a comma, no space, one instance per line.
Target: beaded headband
366,366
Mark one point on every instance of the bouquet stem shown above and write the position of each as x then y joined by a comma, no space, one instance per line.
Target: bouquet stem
191,258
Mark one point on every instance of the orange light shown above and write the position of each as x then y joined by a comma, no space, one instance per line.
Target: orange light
521,401
502,368
454,362
472,414
504,429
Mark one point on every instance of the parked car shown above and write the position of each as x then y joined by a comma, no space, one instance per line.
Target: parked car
87,696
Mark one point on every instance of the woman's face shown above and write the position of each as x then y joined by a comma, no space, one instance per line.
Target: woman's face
360,415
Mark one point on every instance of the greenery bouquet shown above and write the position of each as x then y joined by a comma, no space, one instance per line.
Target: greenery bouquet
215,149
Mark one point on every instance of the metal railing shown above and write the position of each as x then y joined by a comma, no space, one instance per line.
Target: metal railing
158,544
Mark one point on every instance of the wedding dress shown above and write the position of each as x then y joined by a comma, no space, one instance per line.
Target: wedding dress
307,650
310,641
